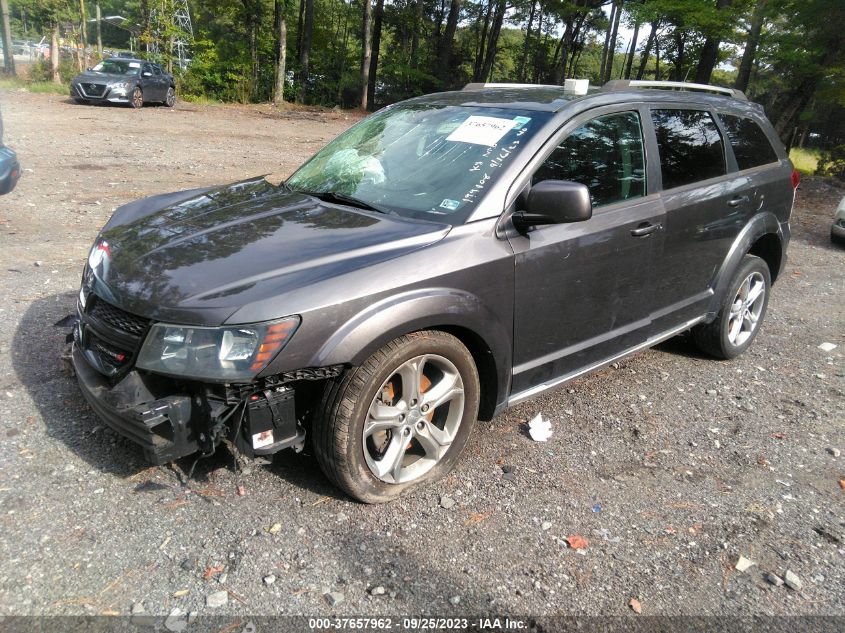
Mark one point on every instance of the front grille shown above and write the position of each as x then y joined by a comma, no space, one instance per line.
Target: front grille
118,319
93,90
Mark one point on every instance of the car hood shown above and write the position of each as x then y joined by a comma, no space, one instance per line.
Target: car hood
101,77
198,257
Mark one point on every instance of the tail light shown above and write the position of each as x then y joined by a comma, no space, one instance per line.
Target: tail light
795,179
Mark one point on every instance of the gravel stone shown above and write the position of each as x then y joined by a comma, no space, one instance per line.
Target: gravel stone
377,591
455,600
834,451
792,581
447,502
333,598
773,579
269,579
217,599
743,564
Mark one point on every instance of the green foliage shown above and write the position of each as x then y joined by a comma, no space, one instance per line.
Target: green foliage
42,71
832,163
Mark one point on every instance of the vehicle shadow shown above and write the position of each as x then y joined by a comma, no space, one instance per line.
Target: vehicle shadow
38,347
682,345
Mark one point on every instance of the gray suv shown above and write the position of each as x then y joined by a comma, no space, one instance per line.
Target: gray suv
442,260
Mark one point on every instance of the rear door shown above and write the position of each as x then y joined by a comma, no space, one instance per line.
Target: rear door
149,84
705,206
582,289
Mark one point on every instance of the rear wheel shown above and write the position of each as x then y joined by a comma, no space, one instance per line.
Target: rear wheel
137,98
399,420
170,98
742,312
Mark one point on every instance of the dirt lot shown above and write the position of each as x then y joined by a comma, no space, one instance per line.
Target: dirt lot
670,464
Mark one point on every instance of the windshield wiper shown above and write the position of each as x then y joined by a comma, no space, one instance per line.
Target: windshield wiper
333,196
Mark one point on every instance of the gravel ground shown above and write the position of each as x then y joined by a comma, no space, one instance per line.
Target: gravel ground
670,465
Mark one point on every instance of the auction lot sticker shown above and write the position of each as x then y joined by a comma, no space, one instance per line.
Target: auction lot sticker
482,130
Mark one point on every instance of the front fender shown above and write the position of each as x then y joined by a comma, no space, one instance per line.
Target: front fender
377,324
760,225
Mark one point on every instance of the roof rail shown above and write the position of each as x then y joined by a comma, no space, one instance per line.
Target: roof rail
482,86
625,84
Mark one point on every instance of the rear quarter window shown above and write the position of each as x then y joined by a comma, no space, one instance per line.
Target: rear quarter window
690,146
750,144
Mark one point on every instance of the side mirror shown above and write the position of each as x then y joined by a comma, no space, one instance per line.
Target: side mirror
555,202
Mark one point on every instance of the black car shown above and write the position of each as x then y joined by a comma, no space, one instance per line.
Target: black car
10,168
442,260
129,81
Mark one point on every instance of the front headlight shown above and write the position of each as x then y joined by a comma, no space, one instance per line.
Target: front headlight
236,352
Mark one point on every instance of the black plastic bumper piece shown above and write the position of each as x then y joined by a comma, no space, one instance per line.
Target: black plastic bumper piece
160,426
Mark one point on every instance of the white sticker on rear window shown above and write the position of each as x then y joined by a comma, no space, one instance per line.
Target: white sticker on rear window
134,65
481,130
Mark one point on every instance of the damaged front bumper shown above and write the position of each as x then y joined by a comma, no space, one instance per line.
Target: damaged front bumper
169,420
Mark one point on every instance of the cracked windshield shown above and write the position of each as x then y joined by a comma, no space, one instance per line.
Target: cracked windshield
420,161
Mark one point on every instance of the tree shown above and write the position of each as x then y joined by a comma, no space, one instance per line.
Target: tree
366,51
710,50
752,42
280,21
8,54
444,49
378,16
305,52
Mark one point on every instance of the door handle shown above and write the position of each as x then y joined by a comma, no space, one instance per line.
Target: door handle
646,228
737,200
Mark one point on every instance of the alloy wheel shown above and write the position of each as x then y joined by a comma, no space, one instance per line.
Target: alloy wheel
413,419
170,100
137,98
746,308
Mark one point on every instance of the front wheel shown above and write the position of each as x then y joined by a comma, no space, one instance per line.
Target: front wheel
137,99
742,312
170,98
399,420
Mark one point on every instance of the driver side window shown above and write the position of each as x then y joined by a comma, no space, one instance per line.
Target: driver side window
605,154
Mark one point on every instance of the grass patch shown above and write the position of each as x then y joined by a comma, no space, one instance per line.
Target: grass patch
198,99
805,160
16,83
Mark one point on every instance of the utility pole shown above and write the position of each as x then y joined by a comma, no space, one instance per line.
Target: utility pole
8,53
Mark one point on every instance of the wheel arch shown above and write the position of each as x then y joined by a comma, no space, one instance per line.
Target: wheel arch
762,237
455,312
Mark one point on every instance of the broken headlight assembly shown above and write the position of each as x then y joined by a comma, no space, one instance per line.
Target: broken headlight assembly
228,353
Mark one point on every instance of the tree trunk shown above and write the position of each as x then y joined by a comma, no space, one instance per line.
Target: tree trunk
99,32
371,87
630,62
8,52
710,50
415,38
444,54
744,74
305,52
83,32
525,42
299,28
679,55
607,41
54,55
281,24
493,43
647,50
611,50
482,41
366,51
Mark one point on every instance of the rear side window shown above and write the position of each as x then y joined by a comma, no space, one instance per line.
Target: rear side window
605,154
690,146
748,141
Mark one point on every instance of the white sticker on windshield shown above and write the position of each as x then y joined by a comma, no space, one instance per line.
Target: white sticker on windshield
134,65
452,205
482,130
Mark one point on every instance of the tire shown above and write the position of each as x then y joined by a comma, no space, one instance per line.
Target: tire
170,97
137,98
727,337
837,239
405,446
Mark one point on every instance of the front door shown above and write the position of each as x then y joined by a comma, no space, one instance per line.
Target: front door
583,290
